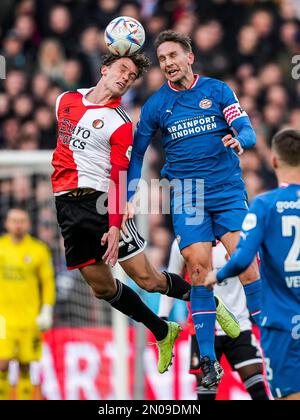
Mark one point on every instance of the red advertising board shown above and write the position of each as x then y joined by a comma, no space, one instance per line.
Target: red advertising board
79,363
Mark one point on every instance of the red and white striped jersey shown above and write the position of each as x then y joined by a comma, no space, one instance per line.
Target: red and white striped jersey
91,138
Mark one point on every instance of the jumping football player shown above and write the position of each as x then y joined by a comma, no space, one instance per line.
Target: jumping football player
199,118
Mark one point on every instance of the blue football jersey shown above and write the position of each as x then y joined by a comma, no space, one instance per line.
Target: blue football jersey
272,227
192,123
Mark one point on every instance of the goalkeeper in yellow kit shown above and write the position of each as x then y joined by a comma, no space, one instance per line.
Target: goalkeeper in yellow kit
27,294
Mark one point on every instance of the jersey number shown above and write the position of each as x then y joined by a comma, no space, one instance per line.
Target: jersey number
291,262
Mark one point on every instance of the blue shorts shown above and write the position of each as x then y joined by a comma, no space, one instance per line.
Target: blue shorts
206,214
282,359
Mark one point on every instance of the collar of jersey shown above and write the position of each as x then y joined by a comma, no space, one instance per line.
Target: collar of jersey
286,184
196,78
112,104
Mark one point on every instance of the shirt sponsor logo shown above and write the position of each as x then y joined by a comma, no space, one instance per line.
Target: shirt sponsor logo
192,126
98,124
249,222
287,205
205,103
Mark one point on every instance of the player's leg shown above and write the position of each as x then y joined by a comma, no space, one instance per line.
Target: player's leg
5,387
203,393
148,278
24,385
245,357
7,353
29,350
137,266
253,379
124,299
198,261
229,213
250,279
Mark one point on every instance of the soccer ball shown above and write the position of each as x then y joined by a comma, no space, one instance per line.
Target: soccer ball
124,36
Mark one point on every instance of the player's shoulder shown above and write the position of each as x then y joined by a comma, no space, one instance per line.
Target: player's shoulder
211,83
268,198
120,113
212,88
69,95
66,99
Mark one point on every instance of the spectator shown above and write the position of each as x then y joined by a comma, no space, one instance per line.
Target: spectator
90,55
51,59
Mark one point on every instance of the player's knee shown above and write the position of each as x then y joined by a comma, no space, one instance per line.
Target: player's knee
198,271
251,370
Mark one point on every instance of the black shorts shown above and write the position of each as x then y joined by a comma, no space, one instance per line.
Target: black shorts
240,352
82,228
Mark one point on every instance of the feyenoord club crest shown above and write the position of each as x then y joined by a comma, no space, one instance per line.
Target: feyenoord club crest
205,103
98,124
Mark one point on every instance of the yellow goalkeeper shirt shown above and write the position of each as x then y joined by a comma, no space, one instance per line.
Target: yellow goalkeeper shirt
26,280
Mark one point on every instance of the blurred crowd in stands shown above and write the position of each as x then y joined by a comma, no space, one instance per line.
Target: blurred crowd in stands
51,46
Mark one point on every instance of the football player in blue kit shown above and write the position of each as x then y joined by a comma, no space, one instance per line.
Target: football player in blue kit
204,129
272,227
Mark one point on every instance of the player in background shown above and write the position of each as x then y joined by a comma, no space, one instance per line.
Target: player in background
27,294
272,227
199,118
242,353
93,152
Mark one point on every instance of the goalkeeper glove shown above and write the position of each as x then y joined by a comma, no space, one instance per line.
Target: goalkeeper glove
45,318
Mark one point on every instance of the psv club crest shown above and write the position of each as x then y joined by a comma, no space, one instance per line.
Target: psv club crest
98,124
205,103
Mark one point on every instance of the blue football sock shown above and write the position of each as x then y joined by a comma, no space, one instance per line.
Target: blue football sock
254,299
203,308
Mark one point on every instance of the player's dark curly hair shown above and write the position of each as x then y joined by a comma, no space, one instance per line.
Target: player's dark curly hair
286,143
169,35
141,61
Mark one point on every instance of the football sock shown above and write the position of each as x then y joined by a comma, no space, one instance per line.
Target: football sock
177,287
129,303
203,308
24,387
4,385
254,297
255,385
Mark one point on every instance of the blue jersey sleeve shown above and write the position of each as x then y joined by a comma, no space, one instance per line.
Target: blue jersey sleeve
237,118
252,236
146,129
